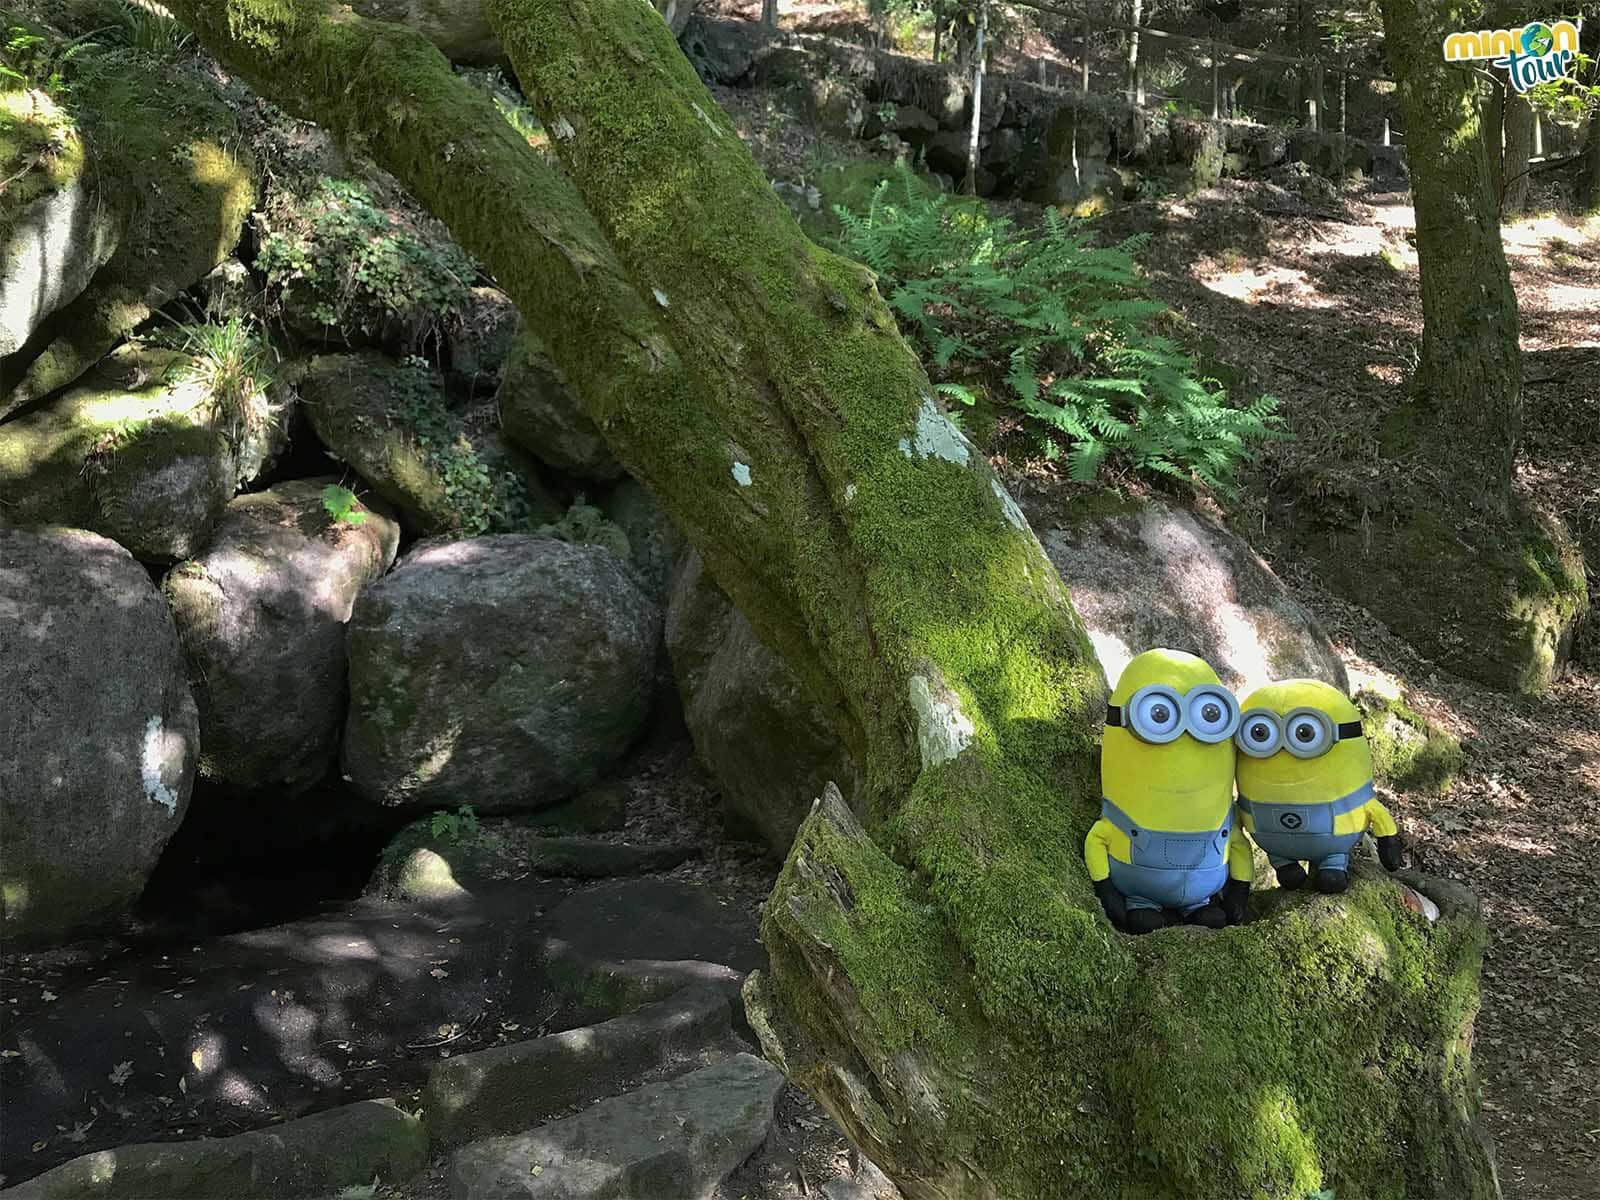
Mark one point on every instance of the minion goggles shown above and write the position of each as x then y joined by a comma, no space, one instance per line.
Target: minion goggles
1157,714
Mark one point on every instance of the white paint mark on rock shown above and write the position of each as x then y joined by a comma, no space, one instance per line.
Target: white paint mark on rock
943,730
741,472
661,297
563,129
935,435
150,763
1008,505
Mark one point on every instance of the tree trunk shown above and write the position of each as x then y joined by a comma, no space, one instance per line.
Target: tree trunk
769,14
1518,150
1493,108
1471,363
941,977
1131,67
1589,168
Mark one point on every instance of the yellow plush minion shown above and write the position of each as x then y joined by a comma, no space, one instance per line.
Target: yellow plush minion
1305,783
1166,846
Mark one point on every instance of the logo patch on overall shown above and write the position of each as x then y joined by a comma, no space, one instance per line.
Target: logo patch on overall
1291,820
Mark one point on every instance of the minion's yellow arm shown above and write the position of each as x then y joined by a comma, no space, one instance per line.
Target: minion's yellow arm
1240,865
1380,821
1097,849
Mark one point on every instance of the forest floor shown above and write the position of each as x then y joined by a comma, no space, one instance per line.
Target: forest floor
1322,308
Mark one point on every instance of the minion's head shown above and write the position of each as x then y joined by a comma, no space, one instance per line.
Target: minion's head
1300,742
1166,753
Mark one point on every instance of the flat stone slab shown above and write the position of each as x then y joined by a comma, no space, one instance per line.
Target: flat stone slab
506,1089
618,945
677,1139
315,1156
587,858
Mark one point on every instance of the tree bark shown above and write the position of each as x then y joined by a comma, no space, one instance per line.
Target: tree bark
1471,363
1589,168
769,13
941,977
1493,105
1131,67
1518,150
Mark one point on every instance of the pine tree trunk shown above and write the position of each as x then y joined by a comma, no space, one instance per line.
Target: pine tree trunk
941,977
1518,149
1589,168
1493,107
1471,363
769,14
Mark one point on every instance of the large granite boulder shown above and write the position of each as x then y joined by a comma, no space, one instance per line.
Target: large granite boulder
770,748
261,615
138,452
98,727
57,228
1148,574
169,161
505,672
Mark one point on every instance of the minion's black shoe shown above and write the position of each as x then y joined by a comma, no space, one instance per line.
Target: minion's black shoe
1235,901
1291,875
1147,920
1332,881
1211,916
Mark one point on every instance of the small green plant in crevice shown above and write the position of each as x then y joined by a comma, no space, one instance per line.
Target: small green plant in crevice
342,505
512,105
455,827
351,264
233,363
481,497
1064,329
585,525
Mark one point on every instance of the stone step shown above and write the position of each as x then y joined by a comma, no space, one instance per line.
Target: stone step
677,1139
590,858
619,945
511,1088
313,1157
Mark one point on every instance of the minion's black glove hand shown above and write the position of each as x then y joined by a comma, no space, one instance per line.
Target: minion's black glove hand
1111,900
1389,851
1235,900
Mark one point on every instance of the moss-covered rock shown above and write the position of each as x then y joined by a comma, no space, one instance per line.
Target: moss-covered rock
1410,753
140,452
58,227
445,467
1496,601
163,144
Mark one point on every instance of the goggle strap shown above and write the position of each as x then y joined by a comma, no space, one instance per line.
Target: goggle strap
1349,729
1114,715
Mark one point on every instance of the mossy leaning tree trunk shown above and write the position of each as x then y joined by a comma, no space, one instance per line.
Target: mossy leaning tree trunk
941,978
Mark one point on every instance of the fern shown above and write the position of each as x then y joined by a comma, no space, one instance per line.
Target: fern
1066,325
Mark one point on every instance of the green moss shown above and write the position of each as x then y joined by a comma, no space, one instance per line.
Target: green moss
1409,752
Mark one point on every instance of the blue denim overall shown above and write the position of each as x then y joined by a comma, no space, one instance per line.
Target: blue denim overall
1304,832
1169,870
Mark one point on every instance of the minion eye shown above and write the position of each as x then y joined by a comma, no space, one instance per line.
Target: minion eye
1213,714
1259,734
1157,714
1307,733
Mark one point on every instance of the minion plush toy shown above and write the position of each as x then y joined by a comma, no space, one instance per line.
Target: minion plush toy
1305,783
1166,847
